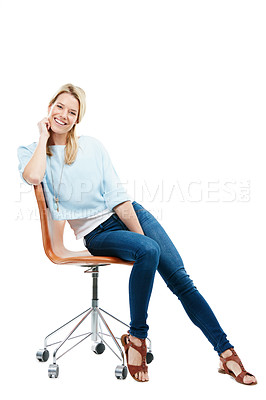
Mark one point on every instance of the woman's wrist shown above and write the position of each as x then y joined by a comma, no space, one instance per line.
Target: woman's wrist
43,140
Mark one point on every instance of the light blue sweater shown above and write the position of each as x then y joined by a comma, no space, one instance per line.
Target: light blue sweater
89,186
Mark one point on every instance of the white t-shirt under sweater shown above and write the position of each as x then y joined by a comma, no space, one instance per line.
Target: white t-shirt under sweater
83,226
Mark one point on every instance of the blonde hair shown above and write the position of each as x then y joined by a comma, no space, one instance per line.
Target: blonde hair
71,148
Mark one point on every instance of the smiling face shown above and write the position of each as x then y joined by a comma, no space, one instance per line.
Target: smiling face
63,113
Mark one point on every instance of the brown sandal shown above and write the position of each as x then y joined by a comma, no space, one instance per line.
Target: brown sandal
239,378
134,369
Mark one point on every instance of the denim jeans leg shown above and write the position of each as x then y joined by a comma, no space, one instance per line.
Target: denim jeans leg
117,241
172,270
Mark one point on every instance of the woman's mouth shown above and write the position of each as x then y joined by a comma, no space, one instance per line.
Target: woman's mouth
59,122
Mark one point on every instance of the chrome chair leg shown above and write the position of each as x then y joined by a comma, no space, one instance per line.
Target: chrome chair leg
61,327
112,336
69,335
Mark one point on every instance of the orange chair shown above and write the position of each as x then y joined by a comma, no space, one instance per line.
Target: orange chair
52,236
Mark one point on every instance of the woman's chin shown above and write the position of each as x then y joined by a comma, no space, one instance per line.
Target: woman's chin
58,131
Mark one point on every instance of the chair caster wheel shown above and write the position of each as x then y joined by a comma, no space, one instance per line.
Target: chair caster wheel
98,348
42,355
149,357
53,371
121,372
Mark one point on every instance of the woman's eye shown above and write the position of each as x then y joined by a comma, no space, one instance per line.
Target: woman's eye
72,113
59,106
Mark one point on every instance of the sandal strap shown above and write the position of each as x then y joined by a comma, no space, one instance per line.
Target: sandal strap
134,369
240,378
141,349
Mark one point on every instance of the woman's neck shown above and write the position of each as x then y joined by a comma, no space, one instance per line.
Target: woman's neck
57,139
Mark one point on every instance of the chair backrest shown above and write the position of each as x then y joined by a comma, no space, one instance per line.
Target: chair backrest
52,231
53,239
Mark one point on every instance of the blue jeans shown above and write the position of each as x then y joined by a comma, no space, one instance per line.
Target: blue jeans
150,252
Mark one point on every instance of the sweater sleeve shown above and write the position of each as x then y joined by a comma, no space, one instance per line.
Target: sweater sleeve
24,155
113,191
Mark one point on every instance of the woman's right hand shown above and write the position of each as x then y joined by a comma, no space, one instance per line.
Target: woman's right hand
44,126
34,171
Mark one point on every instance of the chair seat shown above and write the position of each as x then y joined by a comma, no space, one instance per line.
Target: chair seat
65,256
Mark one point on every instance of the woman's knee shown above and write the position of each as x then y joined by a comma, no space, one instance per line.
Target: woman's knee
150,250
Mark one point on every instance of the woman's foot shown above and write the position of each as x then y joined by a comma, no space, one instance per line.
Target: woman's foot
136,357
231,364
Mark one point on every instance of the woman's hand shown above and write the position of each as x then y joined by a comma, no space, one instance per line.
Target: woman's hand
35,169
44,126
127,214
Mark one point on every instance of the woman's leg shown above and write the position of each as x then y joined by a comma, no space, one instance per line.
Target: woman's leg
172,270
112,238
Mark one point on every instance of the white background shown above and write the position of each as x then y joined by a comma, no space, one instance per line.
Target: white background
176,93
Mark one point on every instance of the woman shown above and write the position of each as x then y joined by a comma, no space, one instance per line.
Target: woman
82,187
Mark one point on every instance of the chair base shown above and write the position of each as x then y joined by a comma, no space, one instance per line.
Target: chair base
96,334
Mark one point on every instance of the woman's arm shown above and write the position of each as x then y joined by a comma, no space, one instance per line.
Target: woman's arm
35,169
126,213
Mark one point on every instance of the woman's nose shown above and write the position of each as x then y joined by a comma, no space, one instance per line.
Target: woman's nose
64,113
